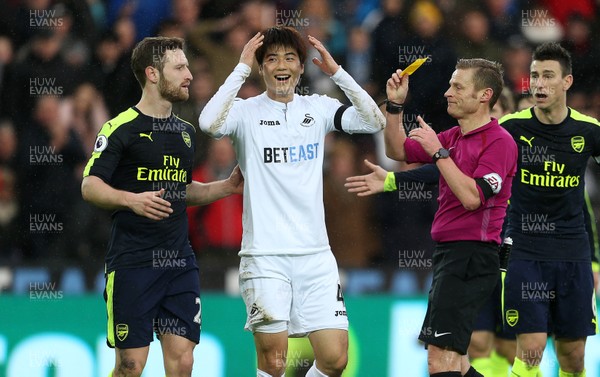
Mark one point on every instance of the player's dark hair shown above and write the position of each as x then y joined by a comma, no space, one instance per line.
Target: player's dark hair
488,74
150,52
281,36
554,51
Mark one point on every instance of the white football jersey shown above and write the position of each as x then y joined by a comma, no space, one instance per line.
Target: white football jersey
280,150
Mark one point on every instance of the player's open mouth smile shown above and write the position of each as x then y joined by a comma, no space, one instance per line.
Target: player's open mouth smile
282,78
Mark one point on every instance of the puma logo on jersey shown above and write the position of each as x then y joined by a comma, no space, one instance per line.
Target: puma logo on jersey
528,141
149,136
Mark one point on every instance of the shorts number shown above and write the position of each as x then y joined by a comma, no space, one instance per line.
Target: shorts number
198,317
340,295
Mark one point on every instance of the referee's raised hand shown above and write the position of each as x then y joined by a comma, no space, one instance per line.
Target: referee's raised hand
397,87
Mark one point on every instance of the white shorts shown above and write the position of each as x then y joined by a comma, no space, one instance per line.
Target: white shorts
300,294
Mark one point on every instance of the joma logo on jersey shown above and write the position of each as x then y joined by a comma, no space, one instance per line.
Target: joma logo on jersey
269,122
578,143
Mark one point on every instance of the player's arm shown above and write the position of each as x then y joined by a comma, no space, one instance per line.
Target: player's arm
592,231
149,204
364,114
108,151
380,180
394,135
213,116
198,193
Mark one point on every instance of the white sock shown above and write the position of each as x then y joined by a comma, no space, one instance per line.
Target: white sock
314,372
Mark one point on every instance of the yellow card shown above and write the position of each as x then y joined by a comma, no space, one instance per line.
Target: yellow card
413,66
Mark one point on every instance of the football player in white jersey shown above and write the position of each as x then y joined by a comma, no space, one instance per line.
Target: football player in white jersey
288,275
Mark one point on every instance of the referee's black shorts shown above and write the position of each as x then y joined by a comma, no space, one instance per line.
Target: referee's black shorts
465,274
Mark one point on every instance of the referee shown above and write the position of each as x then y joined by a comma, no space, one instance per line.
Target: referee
477,161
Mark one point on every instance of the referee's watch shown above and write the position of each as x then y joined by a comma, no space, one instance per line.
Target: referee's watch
442,153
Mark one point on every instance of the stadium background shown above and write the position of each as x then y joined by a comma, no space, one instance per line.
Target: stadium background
64,70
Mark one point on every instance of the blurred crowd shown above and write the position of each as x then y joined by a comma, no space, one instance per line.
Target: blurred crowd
65,70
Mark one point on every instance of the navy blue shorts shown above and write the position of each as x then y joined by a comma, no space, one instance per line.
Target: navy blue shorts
165,300
490,316
464,275
549,296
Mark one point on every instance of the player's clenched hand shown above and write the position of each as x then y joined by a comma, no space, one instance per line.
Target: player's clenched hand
150,204
250,48
236,181
365,185
327,63
396,87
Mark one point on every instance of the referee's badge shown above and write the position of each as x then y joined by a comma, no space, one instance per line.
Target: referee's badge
186,138
122,331
512,317
578,142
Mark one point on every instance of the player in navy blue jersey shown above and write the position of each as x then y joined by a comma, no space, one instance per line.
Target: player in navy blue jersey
141,168
549,283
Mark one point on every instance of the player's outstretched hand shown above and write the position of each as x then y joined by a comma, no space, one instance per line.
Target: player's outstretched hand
396,87
150,204
236,181
326,64
250,48
365,185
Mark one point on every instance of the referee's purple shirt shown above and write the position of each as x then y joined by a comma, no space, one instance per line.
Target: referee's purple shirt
487,150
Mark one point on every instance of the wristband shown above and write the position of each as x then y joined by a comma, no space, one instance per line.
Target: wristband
595,265
390,182
393,107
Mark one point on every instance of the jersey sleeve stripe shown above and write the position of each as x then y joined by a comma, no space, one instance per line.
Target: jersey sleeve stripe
108,129
595,248
523,114
583,118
